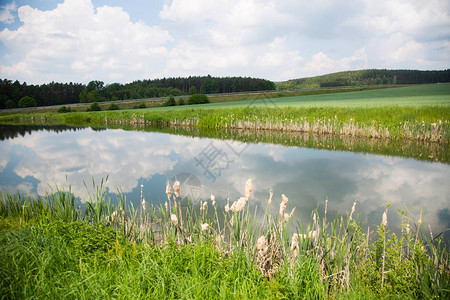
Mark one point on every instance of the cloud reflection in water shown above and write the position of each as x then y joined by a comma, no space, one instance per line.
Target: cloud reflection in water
307,176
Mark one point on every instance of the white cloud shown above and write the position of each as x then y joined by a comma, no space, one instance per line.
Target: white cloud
276,40
75,41
192,10
6,13
321,63
421,20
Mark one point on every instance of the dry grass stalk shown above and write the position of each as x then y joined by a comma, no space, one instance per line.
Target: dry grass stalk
384,224
270,256
353,210
294,246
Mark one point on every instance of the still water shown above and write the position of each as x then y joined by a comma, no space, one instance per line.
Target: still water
36,161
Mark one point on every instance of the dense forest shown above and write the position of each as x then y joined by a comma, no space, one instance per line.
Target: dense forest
16,94
368,77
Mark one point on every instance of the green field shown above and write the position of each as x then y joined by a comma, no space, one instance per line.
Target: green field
434,94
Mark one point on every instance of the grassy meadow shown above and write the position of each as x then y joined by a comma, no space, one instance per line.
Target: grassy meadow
54,247
419,113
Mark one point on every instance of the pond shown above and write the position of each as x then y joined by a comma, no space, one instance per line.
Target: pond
35,160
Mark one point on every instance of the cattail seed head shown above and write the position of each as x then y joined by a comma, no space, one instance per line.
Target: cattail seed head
408,229
213,200
168,191
205,226
177,188
166,206
283,204
287,217
205,205
239,205
174,219
248,189
270,197
292,213
384,219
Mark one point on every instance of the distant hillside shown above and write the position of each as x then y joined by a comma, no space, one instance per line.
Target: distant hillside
368,77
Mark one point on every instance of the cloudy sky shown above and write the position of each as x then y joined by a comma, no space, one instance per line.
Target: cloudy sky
122,41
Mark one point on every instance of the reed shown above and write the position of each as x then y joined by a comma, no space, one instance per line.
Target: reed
51,247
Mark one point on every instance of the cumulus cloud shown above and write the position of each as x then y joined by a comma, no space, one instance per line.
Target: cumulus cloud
277,40
6,13
285,39
76,42
321,63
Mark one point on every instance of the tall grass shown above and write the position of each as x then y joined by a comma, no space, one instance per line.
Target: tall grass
49,248
422,123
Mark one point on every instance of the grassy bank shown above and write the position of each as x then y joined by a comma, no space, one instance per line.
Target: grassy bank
415,113
51,247
424,123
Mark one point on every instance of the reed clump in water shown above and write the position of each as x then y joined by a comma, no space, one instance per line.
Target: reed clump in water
180,249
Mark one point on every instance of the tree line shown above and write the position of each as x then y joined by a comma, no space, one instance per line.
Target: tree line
16,94
368,77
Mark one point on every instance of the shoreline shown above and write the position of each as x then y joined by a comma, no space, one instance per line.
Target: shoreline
426,123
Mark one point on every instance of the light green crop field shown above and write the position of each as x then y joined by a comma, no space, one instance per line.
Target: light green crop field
433,94
419,95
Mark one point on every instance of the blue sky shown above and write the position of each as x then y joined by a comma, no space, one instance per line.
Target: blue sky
122,41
